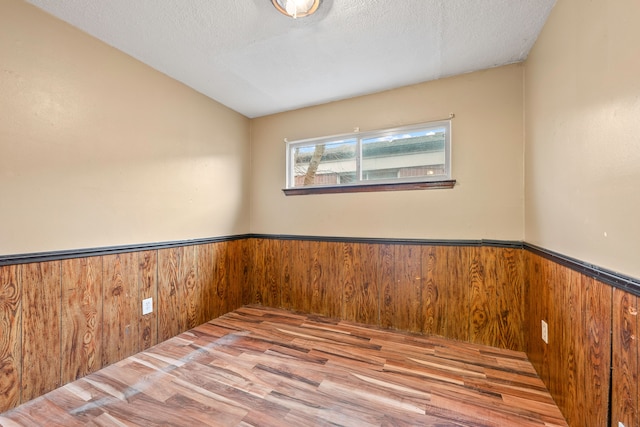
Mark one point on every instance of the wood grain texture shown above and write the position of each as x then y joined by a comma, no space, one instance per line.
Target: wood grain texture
572,343
466,293
10,344
192,293
626,350
457,292
326,270
286,264
497,301
249,287
407,291
596,308
260,366
299,271
350,263
557,320
441,280
148,288
41,299
575,364
206,278
361,295
267,272
121,307
432,308
222,279
387,278
509,299
81,317
176,290
479,299
239,262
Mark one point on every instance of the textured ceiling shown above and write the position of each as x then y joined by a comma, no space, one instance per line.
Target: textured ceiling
249,57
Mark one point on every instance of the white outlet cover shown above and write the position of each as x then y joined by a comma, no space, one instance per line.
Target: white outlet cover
620,424
147,306
545,332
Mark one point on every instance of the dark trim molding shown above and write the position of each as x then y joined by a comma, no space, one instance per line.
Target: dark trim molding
385,241
617,280
369,188
108,250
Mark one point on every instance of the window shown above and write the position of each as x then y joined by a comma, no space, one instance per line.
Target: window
372,161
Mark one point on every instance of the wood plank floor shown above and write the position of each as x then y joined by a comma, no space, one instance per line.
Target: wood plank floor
265,367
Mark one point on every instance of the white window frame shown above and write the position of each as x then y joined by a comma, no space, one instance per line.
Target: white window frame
359,136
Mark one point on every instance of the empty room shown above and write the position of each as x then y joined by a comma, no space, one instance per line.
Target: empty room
319,212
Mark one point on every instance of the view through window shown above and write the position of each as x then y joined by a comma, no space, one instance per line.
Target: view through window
418,153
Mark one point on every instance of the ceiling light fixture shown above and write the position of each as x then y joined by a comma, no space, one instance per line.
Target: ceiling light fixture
296,8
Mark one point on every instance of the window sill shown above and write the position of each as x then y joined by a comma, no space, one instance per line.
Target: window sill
370,188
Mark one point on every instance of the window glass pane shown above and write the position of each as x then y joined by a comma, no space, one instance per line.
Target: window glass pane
404,155
331,163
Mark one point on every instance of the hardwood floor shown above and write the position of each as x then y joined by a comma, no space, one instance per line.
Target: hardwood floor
260,366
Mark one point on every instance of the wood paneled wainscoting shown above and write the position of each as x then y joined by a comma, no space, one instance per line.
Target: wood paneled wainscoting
590,364
63,319
469,292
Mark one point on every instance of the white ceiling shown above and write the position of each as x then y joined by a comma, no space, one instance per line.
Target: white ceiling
249,57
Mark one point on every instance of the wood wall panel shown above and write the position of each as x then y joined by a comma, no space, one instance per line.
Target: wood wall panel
350,261
465,293
509,303
597,299
441,280
326,273
176,291
626,349
299,292
121,307
81,317
191,291
479,300
572,340
248,287
170,300
432,311
364,304
534,309
41,350
575,364
206,278
239,262
387,278
222,279
457,292
267,272
148,288
10,333
286,257
407,290
497,283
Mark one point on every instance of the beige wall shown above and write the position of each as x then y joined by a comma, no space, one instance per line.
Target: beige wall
582,90
487,162
97,149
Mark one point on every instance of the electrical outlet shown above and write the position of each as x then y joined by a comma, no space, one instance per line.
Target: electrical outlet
620,424
545,332
147,306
